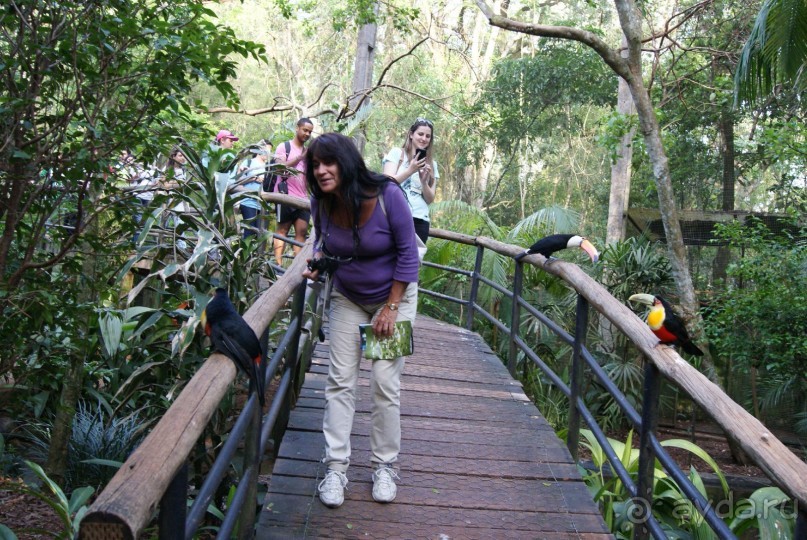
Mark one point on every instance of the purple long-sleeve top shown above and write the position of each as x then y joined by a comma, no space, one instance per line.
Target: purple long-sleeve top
387,249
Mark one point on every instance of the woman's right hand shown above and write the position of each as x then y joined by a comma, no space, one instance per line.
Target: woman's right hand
415,166
313,275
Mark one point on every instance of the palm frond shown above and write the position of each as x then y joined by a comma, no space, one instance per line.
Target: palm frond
775,53
464,218
550,220
356,121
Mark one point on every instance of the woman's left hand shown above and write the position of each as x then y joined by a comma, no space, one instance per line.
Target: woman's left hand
384,323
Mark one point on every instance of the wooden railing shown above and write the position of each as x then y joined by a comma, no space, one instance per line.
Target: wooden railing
153,475
783,467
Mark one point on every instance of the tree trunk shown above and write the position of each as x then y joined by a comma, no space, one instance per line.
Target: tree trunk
74,378
726,128
363,74
63,422
620,192
621,169
648,126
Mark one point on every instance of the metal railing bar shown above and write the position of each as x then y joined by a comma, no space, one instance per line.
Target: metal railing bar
231,517
645,473
219,468
491,319
173,506
576,376
515,320
616,464
557,381
546,321
507,292
277,356
288,240
443,296
269,419
469,317
453,269
703,506
634,417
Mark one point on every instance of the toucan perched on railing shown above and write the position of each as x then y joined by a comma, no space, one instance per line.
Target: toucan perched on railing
548,245
234,338
665,324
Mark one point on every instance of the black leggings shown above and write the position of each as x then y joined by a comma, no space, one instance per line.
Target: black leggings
422,229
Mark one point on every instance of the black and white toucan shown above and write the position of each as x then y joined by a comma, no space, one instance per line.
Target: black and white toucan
550,244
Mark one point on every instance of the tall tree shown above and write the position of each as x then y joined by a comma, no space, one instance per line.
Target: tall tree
630,69
81,82
363,75
621,167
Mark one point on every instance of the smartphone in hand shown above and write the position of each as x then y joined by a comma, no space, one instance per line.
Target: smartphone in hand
420,153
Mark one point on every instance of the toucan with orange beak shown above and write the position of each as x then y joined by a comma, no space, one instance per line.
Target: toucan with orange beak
548,245
234,338
665,324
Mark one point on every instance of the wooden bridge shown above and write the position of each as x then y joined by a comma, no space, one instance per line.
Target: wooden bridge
477,459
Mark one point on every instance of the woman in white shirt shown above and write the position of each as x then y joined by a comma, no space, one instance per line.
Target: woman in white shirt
413,167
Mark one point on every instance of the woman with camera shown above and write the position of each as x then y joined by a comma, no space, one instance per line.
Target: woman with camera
413,167
365,239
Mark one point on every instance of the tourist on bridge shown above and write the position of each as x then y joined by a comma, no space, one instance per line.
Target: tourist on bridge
414,168
365,238
293,154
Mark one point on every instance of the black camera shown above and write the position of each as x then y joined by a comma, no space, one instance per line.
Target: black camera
323,265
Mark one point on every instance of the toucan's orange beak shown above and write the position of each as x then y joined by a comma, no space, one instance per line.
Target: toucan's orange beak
590,250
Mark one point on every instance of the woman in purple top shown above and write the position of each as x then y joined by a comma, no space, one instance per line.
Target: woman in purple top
371,242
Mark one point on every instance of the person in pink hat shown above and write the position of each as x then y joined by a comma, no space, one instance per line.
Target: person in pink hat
225,139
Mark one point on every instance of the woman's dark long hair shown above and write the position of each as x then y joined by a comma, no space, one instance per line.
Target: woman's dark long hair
358,183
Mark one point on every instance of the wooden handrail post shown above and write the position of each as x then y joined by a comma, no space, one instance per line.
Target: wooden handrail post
173,506
515,318
576,380
469,320
647,458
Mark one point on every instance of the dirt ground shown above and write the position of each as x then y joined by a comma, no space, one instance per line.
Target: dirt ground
21,512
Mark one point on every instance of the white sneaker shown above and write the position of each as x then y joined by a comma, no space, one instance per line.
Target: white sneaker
384,488
332,488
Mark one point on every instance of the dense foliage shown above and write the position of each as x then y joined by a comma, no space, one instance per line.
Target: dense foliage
757,322
525,133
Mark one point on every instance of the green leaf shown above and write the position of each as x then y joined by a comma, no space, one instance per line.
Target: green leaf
6,533
79,497
702,454
111,327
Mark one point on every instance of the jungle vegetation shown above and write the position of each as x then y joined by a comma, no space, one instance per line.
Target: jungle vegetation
527,128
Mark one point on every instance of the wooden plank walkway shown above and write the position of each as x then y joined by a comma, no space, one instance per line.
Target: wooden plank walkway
477,459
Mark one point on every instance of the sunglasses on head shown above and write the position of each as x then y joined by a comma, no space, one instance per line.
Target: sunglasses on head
424,121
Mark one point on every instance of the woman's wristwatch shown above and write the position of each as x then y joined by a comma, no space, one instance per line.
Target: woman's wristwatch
392,306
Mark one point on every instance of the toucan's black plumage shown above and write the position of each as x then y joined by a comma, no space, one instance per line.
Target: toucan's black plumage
665,324
234,338
548,245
